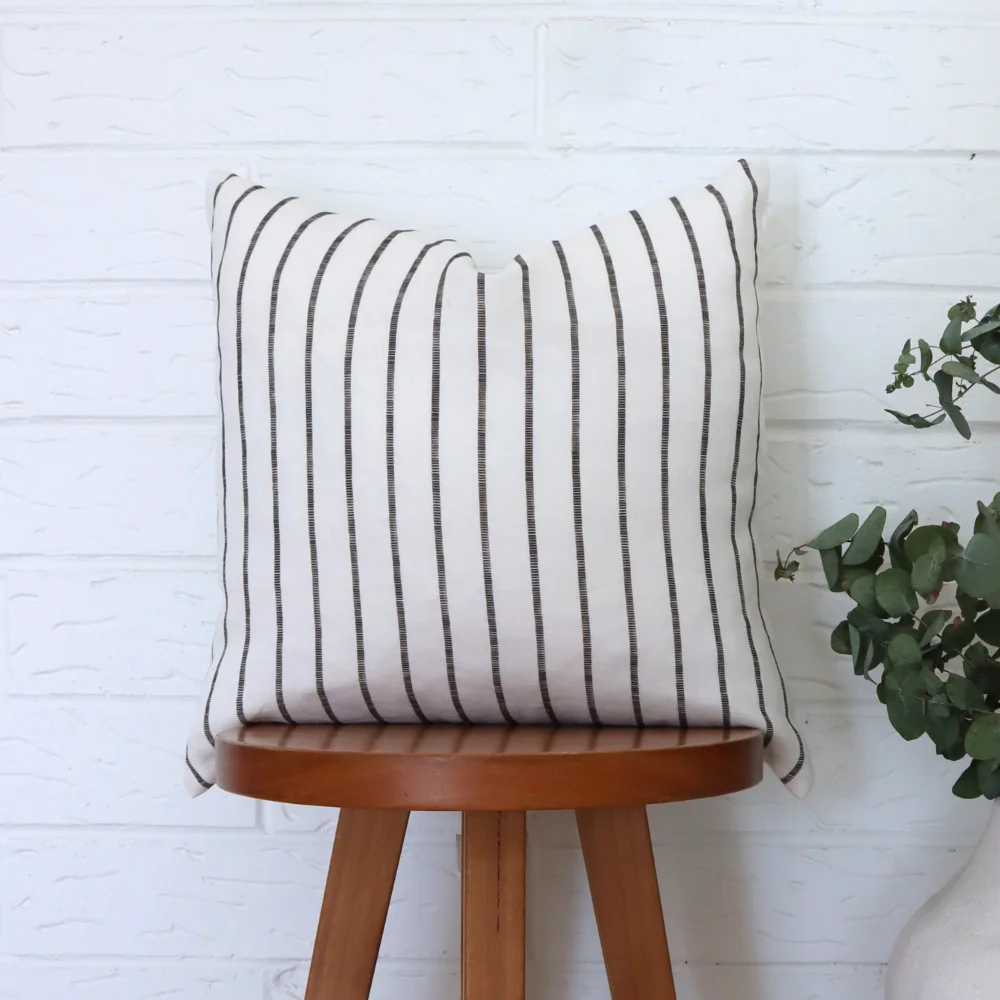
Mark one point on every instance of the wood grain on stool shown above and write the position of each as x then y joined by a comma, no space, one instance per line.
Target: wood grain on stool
366,853
493,893
489,768
491,774
622,875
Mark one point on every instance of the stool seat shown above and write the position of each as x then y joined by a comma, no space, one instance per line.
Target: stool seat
378,775
496,768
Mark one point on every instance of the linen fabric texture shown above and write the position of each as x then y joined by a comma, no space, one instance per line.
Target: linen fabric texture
523,496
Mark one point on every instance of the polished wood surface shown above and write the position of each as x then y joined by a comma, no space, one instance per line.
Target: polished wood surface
493,903
619,859
485,768
362,871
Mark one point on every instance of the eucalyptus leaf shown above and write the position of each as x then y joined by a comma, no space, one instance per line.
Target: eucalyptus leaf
895,593
982,741
967,786
945,387
963,311
928,569
898,537
933,685
926,356
934,623
945,732
864,621
989,779
904,652
916,420
920,541
978,571
867,538
980,329
988,345
837,534
861,651
962,693
907,715
849,575
951,339
830,558
958,419
987,523
958,634
863,592
988,628
840,639
958,369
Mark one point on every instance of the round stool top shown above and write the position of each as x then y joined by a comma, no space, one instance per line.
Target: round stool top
491,768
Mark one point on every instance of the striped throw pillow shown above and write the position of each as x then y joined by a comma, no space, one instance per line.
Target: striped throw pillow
522,496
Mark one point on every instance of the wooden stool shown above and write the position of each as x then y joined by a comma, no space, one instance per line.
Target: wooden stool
378,775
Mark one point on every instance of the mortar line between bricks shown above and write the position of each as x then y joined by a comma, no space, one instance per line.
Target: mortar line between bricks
200,420
481,13
460,150
106,560
274,964
15,837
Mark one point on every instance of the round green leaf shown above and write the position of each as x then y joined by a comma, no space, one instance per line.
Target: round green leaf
989,779
849,576
934,622
967,786
866,539
863,592
963,694
978,571
920,540
957,636
840,639
830,558
982,741
904,652
895,594
945,732
988,628
951,339
837,534
928,570
906,715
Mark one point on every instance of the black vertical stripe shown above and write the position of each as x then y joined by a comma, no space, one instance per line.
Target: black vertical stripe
581,561
706,418
768,725
197,777
206,725
310,477
359,630
241,684
529,489
449,652
279,616
633,639
756,472
390,475
484,518
668,555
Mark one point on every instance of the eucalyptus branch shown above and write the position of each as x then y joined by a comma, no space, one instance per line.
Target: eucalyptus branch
895,635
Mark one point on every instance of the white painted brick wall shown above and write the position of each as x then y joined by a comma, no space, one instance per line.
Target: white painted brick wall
500,122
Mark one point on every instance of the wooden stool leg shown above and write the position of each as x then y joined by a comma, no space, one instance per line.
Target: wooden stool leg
362,870
619,858
493,889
